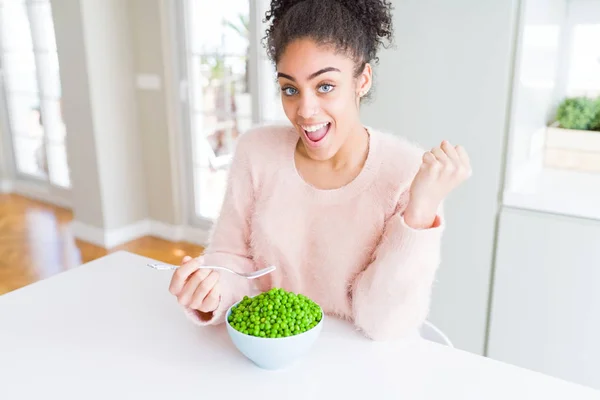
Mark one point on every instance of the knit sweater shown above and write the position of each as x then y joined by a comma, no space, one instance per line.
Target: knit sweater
348,249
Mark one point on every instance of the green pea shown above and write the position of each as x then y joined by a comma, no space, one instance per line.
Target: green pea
276,313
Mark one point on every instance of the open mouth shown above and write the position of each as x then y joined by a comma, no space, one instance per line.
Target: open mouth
316,133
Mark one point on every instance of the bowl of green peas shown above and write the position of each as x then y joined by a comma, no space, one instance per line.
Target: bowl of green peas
275,328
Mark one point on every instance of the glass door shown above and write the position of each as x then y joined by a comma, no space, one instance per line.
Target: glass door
220,103
230,86
32,93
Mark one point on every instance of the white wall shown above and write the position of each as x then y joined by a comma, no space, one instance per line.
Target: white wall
584,11
100,111
448,78
110,67
153,57
77,112
546,298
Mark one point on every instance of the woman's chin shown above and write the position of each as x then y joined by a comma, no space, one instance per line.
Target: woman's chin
320,154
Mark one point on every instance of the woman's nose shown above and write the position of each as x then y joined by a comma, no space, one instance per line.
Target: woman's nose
309,107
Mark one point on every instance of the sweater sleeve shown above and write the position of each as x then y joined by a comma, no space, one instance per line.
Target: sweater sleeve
230,237
391,297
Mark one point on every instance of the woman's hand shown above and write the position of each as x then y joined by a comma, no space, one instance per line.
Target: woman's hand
443,169
196,288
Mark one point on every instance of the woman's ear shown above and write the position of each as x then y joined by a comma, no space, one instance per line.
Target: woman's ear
365,80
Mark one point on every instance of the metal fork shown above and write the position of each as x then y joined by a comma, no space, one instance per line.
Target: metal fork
247,275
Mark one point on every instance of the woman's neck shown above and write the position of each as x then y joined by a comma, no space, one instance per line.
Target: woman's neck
341,169
353,152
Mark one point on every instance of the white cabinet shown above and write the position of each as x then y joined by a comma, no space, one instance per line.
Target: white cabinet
545,314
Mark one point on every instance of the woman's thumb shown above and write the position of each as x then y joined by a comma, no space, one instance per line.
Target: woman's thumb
186,259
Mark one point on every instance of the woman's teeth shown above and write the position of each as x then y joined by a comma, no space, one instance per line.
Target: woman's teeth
315,133
314,128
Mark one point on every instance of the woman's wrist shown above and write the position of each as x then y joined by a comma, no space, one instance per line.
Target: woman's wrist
420,216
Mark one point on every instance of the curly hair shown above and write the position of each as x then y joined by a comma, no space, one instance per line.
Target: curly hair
356,27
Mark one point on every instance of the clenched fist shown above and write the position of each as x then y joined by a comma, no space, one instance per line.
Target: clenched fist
443,169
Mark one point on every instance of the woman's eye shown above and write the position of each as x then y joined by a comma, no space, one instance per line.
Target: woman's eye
289,91
326,88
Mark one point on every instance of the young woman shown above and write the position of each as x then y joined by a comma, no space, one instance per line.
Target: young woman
350,216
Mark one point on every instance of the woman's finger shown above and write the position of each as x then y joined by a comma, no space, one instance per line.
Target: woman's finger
440,155
464,157
189,266
450,152
429,158
185,295
212,300
203,289
181,275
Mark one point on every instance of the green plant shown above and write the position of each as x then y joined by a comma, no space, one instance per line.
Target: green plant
595,125
576,113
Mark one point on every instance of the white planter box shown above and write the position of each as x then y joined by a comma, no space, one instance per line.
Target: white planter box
572,149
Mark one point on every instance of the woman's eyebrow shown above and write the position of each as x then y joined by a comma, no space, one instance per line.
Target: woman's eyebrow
311,76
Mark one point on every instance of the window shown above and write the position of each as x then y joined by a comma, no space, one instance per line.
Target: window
31,89
551,167
232,87
220,103
584,69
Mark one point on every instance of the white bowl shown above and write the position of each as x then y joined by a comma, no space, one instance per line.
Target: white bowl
274,353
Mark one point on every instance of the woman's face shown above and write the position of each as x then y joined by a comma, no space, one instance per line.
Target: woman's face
320,95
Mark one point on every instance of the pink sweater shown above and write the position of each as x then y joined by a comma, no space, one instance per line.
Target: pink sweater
348,249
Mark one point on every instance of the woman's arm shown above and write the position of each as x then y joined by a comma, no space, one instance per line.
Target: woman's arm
230,236
391,297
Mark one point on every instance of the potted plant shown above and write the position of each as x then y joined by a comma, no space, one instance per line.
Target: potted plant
573,140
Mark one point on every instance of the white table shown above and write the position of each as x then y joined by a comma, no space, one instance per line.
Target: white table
110,330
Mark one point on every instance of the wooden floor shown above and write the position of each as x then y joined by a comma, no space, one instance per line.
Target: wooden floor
36,243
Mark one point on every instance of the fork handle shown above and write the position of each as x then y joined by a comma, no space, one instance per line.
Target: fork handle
217,267
174,267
